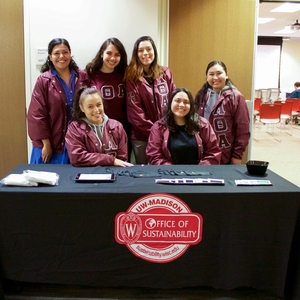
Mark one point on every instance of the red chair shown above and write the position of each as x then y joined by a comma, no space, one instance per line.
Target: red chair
286,109
270,115
256,107
295,108
286,113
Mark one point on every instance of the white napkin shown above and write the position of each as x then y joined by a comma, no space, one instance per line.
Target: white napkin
17,179
50,178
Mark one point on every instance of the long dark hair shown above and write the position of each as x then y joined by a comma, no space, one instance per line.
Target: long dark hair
192,124
48,64
206,86
135,69
97,61
77,114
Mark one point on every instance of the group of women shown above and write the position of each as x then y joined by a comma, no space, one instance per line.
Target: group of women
99,115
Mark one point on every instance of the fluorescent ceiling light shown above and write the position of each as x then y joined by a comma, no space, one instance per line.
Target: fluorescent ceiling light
264,20
287,7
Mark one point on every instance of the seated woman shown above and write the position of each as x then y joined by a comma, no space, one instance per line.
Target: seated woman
181,136
92,138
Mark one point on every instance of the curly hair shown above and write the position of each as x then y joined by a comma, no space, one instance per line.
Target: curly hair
48,64
77,114
97,61
192,119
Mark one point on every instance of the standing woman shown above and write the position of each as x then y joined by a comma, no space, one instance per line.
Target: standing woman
225,107
148,86
49,112
106,72
182,137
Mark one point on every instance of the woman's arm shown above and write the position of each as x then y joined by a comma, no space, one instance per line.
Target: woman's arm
242,128
80,152
136,110
37,115
211,153
155,147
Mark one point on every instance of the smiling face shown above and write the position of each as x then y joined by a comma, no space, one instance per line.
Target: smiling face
111,58
146,54
60,57
180,107
93,109
216,77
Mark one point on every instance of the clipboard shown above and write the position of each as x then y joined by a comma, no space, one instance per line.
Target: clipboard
94,178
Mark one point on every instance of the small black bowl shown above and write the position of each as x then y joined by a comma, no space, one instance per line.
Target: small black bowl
257,167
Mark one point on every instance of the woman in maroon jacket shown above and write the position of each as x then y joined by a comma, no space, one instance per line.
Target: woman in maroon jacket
106,72
92,138
225,108
49,112
148,86
181,137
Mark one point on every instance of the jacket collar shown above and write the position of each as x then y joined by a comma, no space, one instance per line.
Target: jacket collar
83,124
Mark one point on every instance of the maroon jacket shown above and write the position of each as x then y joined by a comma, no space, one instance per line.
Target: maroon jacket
230,121
47,113
85,149
144,108
112,88
158,153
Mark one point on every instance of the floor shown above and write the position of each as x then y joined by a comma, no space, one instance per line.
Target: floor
280,147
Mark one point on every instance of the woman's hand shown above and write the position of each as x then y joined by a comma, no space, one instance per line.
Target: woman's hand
121,163
46,150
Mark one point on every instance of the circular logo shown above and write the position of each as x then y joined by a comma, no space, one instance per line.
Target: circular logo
158,228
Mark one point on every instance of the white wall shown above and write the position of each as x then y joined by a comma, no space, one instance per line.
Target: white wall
269,66
290,66
86,24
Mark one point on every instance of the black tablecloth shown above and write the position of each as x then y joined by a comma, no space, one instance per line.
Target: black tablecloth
1,292
65,233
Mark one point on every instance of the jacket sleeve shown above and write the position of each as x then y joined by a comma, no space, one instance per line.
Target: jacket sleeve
211,152
135,109
170,80
79,152
123,144
82,81
154,150
242,127
37,115
295,94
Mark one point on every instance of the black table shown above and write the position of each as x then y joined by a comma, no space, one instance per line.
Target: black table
66,234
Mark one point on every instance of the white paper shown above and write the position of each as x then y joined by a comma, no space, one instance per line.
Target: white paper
252,182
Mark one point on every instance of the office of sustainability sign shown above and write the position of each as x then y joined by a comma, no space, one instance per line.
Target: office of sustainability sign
158,228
